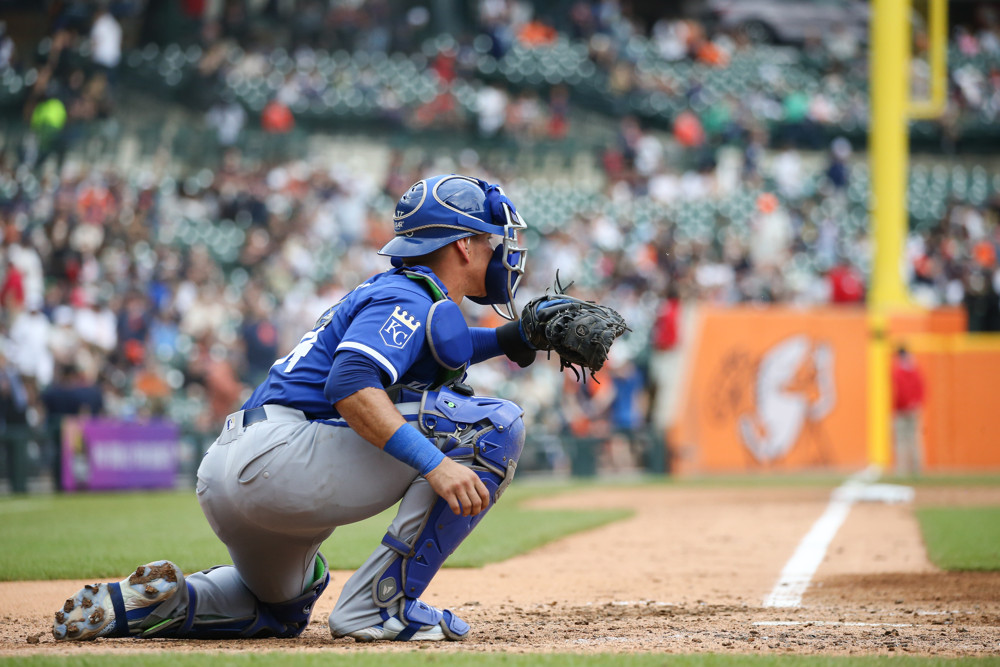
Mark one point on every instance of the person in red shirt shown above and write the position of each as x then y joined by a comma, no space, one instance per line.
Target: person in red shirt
11,289
665,363
907,401
277,121
276,118
846,284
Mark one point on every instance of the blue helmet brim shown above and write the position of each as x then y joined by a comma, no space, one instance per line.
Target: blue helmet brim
433,238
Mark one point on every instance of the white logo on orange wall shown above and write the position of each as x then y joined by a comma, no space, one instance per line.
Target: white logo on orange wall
794,385
778,397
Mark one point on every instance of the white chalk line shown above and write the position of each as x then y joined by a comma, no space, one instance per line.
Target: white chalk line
847,623
799,570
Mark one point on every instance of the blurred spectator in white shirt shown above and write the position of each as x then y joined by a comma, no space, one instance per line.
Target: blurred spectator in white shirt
7,49
664,186
772,233
648,155
491,108
788,172
63,340
842,42
29,335
106,39
227,117
671,38
67,348
207,314
95,321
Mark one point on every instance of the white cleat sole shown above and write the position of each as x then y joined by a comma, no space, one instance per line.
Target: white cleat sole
90,613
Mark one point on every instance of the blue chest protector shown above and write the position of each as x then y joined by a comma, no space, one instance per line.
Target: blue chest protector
448,335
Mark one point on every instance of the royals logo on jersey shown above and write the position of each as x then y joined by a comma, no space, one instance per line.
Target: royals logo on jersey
399,328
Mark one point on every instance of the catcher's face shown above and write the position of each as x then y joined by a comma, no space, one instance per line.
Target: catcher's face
481,249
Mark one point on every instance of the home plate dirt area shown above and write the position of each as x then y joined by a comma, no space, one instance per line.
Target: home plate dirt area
692,571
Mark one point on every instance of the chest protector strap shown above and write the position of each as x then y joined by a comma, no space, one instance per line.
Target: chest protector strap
448,335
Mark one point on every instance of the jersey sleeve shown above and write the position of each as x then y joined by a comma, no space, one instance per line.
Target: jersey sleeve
351,372
390,329
485,344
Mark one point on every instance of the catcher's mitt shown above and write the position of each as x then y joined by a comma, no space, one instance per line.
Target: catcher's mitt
580,332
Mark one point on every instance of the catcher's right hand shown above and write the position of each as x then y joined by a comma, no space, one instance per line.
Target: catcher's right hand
580,332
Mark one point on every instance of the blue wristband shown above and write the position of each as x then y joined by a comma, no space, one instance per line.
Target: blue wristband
411,447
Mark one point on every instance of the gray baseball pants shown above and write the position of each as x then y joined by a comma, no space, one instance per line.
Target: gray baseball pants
275,490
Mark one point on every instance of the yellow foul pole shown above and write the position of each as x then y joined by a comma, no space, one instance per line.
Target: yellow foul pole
889,86
888,131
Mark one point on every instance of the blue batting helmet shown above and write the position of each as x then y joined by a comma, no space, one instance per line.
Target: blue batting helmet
439,210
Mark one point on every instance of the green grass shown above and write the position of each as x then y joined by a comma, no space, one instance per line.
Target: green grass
945,479
415,659
109,534
962,538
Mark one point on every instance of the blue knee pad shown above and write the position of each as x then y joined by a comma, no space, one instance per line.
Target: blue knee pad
485,433
283,619
289,619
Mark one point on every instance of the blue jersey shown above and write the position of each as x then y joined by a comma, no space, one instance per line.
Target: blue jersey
383,318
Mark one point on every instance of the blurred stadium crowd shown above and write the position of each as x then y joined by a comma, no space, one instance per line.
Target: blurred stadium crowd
722,170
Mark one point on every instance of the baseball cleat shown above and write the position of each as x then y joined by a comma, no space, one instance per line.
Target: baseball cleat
95,610
416,622
389,630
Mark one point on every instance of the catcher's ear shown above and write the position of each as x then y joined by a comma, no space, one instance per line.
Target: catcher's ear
465,247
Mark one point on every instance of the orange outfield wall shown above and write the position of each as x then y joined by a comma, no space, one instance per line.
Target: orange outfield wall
783,389
961,417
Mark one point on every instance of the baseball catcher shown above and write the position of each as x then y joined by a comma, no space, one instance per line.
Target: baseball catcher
366,411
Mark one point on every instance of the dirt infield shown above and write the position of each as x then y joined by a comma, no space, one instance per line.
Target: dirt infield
688,573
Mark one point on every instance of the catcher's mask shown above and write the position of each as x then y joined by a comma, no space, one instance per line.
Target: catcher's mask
442,209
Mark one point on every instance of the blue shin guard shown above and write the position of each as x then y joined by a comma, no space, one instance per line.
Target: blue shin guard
487,434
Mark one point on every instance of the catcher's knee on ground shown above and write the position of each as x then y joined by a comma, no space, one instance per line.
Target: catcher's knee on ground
487,434
268,619
157,601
